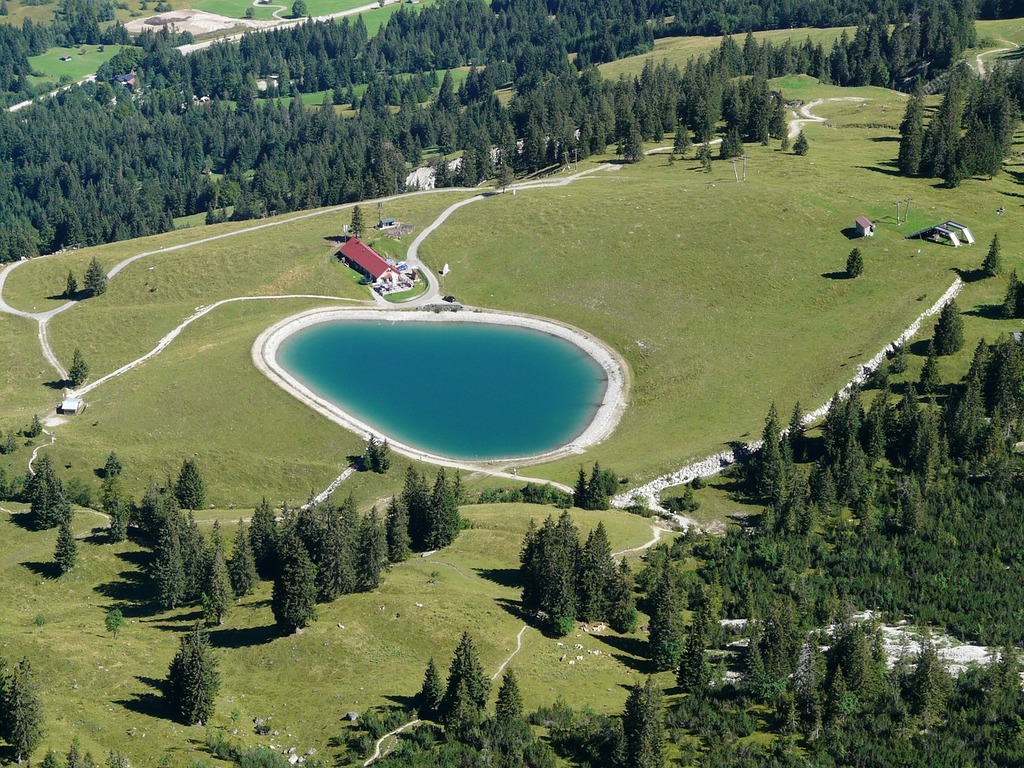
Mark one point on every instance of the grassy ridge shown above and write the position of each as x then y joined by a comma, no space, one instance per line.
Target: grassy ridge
102,690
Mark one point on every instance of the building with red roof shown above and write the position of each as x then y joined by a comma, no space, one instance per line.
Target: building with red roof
363,259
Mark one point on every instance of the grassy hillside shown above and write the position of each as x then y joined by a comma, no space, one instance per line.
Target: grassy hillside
104,691
725,296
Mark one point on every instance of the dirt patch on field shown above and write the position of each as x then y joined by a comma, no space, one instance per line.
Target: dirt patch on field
196,22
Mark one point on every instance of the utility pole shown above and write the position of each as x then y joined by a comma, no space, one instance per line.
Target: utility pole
734,171
898,211
906,211
744,167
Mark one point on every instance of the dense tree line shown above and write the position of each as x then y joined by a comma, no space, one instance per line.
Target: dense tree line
908,507
137,161
565,582
971,132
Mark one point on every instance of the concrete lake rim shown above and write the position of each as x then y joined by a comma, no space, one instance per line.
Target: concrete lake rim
602,423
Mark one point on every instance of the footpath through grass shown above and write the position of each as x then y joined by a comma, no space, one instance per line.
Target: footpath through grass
105,691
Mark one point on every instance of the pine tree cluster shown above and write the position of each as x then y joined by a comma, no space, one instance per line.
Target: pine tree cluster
565,582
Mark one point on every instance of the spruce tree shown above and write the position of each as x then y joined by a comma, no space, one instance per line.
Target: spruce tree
855,263
641,725
466,694
1013,297
372,554
694,672
50,760
794,440
431,694
801,145
665,637
580,496
912,137
66,552
509,706
263,538
21,712
595,573
293,601
769,468
217,592
95,279
168,566
356,227
622,614
242,565
79,370
930,381
992,265
681,143
71,286
898,359
48,504
112,467
949,331
195,555
416,502
193,679
397,532
189,489
444,520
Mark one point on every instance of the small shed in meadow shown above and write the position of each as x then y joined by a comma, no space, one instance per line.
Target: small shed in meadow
71,406
864,227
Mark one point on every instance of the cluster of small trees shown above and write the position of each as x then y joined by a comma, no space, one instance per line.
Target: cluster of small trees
424,517
461,706
565,582
378,456
95,282
593,493
21,712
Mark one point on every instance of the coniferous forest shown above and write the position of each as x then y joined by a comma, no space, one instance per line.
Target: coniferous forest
200,136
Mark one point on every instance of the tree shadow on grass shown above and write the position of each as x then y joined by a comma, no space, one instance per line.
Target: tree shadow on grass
843,275
405,703
969,275
515,608
879,169
46,570
244,637
505,577
23,520
919,347
987,311
149,703
58,384
132,591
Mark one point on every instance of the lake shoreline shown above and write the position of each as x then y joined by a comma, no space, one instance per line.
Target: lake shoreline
601,425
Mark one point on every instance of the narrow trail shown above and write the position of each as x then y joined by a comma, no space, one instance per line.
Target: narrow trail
979,63
656,530
324,494
32,458
519,647
376,750
805,117
174,333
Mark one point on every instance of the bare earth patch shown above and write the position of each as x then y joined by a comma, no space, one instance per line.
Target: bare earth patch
196,22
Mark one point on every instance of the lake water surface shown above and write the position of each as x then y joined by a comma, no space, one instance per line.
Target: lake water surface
473,391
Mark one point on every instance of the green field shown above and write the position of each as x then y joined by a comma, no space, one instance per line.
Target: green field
49,67
101,690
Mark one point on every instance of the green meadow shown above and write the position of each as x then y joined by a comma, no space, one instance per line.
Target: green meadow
365,650
85,60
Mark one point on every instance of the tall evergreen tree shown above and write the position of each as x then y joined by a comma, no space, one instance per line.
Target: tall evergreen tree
595,573
242,565
397,528
66,552
769,468
468,686
912,137
665,637
21,712
263,538
930,381
622,615
189,489
293,600
642,726
992,265
444,521
1012,302
217,588
416,502
801,145
193,679
79,370
855,263
168,566
372,556
48,504
357,226
949,331
95,279
431,695
71,286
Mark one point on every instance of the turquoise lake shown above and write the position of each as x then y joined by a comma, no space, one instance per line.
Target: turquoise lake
472,391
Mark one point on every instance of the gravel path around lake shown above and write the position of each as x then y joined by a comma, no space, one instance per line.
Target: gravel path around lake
267,345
